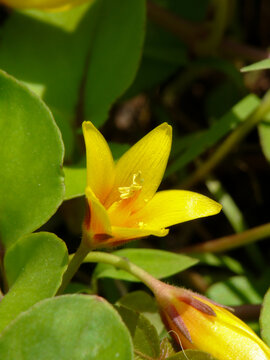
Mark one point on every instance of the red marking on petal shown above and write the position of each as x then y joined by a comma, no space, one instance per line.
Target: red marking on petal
178,322
87,217
215,303
189,299
101,237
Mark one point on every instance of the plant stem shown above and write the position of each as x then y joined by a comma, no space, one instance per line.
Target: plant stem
192,33
217,28
229,143
231,242
73,266
189,32
124,264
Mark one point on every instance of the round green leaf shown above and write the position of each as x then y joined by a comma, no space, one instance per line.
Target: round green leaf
34,267
31,156
265,318
68,327
158,263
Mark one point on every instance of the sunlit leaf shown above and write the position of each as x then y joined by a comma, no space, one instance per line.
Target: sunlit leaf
31,155
34,268
67,327
158,263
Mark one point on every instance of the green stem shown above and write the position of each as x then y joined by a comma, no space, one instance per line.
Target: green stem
124,264
231,242
229,143
73,266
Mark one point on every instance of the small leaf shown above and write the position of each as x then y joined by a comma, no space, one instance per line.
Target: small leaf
144,334
34,267
158,263
67,327
265,318
191,355
31,156
260,65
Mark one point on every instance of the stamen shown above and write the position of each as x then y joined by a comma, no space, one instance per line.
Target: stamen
128,191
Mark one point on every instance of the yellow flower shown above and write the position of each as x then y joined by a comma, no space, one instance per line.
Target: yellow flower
198,323
122,199
43,4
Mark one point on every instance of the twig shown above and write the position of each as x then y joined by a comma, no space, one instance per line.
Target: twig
231,242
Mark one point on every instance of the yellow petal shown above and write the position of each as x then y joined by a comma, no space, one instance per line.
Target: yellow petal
146,160
98,222
134,233
175,206
100,164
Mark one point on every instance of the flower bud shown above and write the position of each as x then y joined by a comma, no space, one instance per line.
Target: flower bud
199,323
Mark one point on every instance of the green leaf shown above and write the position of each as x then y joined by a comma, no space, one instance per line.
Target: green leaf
163,54
67,327
239,113
191,355
77,59
143,333
145,304
75,181
115,54
265,318
260,65
52,48
34,267
220,261
264,133
237,290
31,156
158,263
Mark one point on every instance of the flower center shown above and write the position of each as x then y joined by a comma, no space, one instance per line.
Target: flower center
127,192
